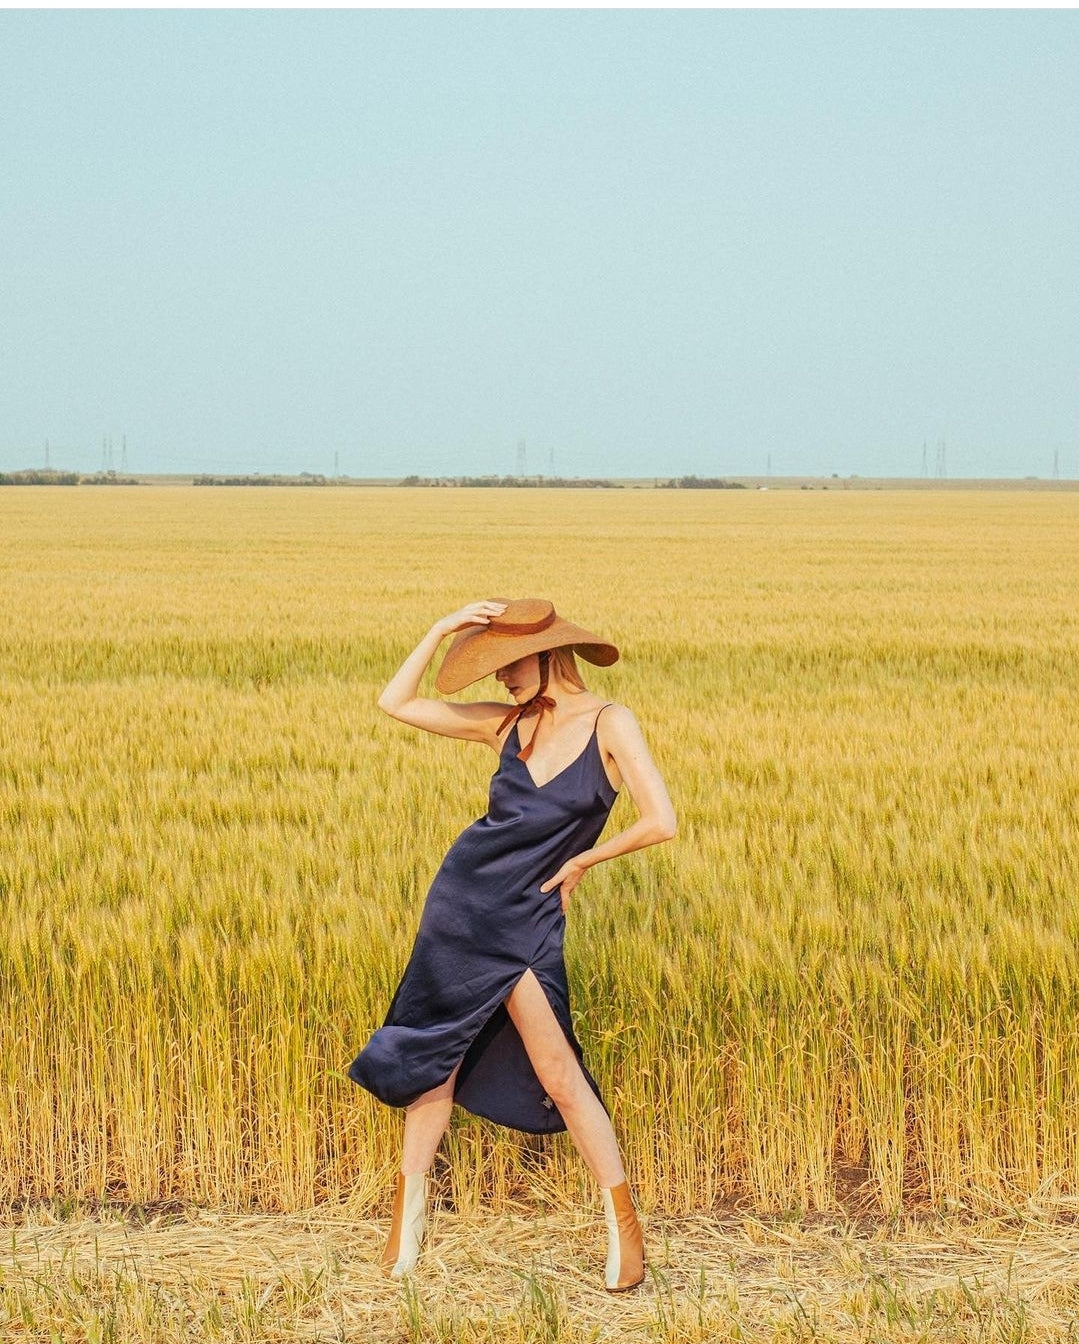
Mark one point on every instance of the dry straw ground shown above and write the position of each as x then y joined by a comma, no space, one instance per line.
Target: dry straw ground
531,1278
849,984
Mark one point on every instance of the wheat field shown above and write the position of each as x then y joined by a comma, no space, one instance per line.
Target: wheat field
849,984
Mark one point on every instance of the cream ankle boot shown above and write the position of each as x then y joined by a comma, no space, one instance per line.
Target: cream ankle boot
407,1225
625,1244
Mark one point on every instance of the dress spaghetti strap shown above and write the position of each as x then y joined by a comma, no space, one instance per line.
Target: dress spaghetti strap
595,738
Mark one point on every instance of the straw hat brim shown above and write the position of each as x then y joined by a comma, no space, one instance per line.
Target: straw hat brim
479,651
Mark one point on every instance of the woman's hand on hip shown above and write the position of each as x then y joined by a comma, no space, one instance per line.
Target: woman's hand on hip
566,879
476,613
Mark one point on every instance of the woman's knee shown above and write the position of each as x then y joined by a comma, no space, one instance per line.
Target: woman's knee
562,1078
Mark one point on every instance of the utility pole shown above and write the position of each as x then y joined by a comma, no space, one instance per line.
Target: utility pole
46,454
925,459
522,461
336,464
123,455
1056,464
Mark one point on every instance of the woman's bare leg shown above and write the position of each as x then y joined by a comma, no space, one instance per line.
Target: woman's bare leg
426,1120
559,1070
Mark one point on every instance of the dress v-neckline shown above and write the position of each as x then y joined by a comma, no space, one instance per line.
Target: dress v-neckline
561,772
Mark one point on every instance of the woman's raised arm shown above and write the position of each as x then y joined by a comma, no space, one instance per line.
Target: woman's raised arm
476,722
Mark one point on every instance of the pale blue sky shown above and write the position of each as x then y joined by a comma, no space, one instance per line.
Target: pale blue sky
645,242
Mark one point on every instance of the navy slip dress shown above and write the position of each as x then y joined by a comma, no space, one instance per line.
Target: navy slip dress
484,923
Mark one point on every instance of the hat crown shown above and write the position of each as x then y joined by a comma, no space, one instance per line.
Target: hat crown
523,616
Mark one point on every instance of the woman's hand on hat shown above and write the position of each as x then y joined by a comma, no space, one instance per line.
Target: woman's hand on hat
476,613
566,878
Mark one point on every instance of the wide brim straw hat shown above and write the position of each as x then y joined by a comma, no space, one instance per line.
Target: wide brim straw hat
528,625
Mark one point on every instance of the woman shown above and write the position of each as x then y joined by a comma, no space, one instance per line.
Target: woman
481,1015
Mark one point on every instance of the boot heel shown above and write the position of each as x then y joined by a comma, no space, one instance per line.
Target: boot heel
406,1226
625,1241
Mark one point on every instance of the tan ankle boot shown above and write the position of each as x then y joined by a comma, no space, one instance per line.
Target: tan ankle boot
406,1227
625,1244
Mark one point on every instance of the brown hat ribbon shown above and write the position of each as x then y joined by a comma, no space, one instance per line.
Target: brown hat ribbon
536,705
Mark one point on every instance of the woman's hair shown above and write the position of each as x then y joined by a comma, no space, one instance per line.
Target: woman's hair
566,664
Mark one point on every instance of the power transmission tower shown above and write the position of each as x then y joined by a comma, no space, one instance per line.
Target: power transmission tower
123,454
1056,464
522,461
925,459
768,469
46,454
336,464
550,465
942,460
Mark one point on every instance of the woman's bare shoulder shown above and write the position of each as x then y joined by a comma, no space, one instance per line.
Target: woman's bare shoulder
617,727
620,716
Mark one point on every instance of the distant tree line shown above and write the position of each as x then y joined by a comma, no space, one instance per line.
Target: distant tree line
32,477
107,478
515,482
38,476
304,478
701,483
